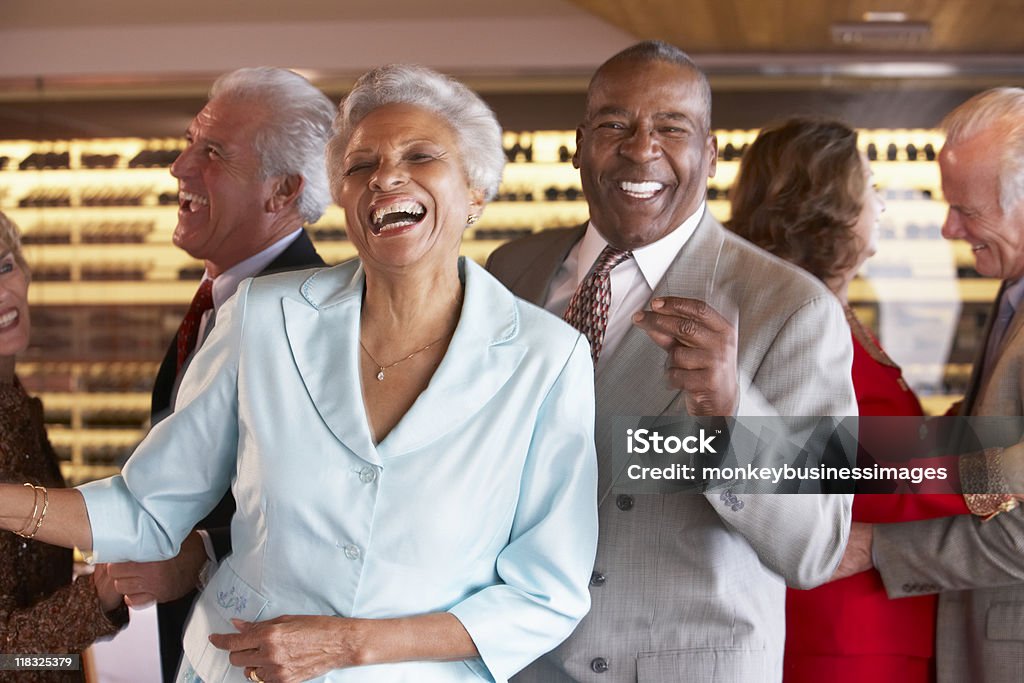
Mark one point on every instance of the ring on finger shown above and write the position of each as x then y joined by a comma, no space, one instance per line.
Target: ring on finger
253,677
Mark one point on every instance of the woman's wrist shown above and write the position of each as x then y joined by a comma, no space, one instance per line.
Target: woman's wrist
19,506
438,636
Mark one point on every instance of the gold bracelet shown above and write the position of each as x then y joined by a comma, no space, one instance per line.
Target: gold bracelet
42,515
35,509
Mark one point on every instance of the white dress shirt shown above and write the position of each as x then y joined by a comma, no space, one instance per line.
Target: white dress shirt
225,284
632,281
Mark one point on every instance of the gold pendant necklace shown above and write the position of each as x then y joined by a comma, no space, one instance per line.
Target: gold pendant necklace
381,368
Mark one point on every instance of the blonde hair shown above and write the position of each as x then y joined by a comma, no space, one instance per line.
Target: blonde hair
10,240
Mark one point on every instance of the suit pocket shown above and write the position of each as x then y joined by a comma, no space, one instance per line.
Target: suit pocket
1005,621
226,597
721,665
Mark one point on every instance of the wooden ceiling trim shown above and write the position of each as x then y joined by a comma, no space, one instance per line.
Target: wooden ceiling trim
804,26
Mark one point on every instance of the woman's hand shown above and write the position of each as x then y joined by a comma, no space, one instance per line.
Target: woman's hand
857,556
296,648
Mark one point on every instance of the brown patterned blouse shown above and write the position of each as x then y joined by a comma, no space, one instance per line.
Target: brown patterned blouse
41,610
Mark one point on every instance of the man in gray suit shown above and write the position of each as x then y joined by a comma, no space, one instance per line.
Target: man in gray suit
977,566
686,587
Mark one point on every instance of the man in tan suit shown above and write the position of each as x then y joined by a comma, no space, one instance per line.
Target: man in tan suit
686,587
977,566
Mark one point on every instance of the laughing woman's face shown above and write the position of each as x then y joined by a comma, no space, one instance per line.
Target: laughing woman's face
405,190
14,321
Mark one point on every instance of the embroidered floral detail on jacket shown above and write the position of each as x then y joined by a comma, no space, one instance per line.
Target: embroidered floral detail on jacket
231,601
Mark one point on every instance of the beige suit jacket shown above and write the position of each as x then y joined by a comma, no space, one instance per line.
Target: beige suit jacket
978,566
691,587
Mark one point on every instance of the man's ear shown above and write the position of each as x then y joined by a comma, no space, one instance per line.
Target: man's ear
287,189
712,155
576,153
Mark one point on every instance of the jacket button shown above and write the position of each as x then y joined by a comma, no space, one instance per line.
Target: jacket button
597,579
624,502
599,665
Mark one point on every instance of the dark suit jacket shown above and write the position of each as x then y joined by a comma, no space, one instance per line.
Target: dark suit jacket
172,615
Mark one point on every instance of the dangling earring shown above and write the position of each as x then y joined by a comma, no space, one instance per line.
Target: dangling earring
473,218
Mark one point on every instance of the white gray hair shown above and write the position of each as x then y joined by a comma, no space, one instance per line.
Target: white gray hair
1001,108
476,128
293,136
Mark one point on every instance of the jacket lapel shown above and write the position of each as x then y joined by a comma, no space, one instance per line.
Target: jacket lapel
481,358
535,280
1000,395
632,382
974,385
323,334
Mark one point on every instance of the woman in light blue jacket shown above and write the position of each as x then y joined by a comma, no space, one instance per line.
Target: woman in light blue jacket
409,445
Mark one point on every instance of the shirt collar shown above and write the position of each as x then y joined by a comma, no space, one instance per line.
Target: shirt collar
653,259
1014,293
225,284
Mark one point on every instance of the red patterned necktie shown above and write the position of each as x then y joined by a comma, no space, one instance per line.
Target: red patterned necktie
588,307
188,332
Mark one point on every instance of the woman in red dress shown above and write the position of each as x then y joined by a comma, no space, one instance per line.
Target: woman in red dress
804,192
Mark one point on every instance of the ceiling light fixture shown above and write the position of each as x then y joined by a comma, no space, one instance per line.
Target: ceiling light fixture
871,15
884,34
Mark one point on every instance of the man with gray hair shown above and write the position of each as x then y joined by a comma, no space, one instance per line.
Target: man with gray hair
253,172
976,566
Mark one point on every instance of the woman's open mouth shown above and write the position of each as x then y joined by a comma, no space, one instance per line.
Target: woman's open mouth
395,216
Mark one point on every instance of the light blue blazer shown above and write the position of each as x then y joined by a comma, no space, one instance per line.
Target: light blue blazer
480,502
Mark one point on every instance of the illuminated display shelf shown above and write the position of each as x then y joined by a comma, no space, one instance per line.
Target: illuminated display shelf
79,249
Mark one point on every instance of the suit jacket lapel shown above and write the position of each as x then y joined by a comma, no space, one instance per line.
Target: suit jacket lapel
1000,395
632,382
323,336
535,280
974,386
323,333
481,358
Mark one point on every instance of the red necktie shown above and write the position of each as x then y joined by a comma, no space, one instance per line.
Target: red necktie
588,307
188,332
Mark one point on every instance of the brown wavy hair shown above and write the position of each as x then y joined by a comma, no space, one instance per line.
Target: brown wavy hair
799,193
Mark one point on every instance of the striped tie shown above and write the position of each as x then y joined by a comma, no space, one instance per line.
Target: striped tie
588,307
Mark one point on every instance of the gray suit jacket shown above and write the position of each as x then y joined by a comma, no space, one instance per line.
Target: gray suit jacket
691,587
978,566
